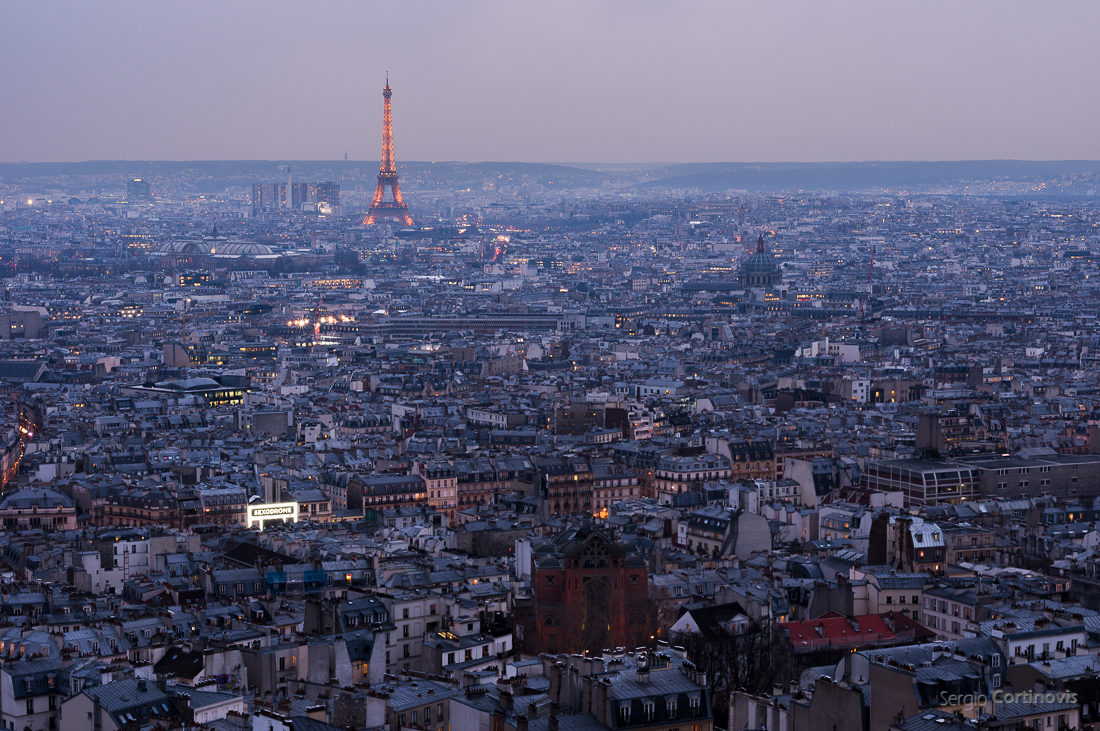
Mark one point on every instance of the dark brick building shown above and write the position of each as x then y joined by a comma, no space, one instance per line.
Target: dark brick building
589,592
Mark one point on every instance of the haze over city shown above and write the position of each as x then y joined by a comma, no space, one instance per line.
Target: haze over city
549,366
615,82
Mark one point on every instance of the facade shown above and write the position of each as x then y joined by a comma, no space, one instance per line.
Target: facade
386,492
31,693
611,484
924,482
37,509
677,475
223,506
413,614
1061,475
134,508
654,691
587,591
442,486
566,484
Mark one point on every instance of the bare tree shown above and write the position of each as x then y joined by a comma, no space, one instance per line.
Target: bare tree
752,661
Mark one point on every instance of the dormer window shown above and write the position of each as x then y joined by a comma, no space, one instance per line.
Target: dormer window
648,710
670,708
624,713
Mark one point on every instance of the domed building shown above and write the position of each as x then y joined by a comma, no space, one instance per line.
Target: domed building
184,248
218,247
236,249
760,269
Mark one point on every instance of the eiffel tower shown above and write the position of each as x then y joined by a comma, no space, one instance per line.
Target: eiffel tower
387,175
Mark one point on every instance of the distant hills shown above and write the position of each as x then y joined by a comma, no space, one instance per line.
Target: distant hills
985,177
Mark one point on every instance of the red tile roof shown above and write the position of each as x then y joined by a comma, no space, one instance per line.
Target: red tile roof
833,630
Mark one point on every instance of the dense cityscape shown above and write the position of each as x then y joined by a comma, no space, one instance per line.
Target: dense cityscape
319,446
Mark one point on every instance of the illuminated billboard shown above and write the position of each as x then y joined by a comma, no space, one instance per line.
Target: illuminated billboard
263,513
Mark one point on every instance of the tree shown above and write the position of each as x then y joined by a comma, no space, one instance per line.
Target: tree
752,661
660,615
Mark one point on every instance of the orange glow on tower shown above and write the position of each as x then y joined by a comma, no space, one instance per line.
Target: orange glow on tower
387,174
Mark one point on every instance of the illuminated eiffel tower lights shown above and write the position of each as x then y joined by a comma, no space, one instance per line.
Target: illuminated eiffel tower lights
387,174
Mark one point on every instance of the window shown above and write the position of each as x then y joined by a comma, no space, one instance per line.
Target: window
405,650
915,599
30,705
670,707
405,631
647,710
427,715
1025,483
634,578
405,613
1002,485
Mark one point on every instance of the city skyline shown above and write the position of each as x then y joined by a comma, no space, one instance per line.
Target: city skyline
568,83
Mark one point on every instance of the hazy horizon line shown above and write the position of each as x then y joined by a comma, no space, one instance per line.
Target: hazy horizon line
562,164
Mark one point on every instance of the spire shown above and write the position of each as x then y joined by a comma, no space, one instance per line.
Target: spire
760,244
387,171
